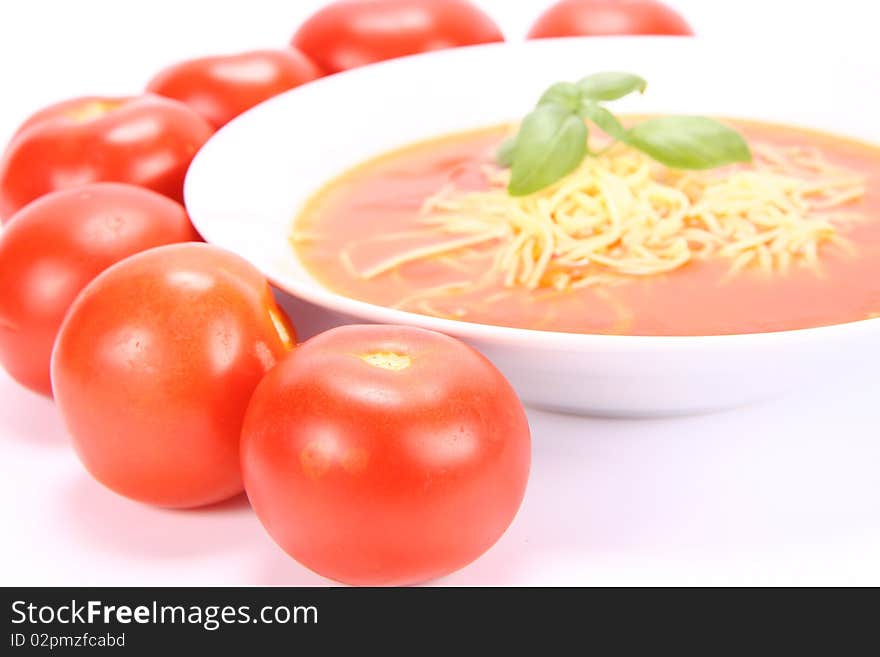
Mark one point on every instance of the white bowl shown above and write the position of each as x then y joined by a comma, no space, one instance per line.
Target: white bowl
248,182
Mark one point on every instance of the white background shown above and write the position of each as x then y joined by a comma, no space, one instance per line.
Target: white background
787,492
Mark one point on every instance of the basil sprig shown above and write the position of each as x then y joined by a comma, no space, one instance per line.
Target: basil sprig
556,141
552,139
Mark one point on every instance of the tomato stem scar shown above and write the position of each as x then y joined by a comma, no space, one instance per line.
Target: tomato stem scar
387,360
92,110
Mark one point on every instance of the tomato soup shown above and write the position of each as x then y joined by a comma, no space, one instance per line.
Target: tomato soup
353,215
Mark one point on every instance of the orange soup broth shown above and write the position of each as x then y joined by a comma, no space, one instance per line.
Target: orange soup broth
384,197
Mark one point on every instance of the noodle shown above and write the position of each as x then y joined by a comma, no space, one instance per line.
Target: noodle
622,215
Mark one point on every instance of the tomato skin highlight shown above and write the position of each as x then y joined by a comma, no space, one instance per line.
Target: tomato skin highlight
608,17
220,88
385,455
154,366
351,33
54,246
147,141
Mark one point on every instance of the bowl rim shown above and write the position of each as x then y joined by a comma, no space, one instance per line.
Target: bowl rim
307,287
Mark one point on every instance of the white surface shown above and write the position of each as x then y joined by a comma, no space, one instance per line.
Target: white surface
784,492
778,493
249,181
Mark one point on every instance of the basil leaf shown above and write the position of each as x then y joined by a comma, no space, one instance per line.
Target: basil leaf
606,121
565,94
689,142
504,154
611,85
551,143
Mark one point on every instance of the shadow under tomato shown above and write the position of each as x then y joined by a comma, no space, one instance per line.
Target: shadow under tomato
105,522
28,417
274,567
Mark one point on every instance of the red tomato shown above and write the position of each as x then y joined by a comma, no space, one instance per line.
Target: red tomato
603,17
147,141
54,246
350,33
155,364
385,455
221,88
